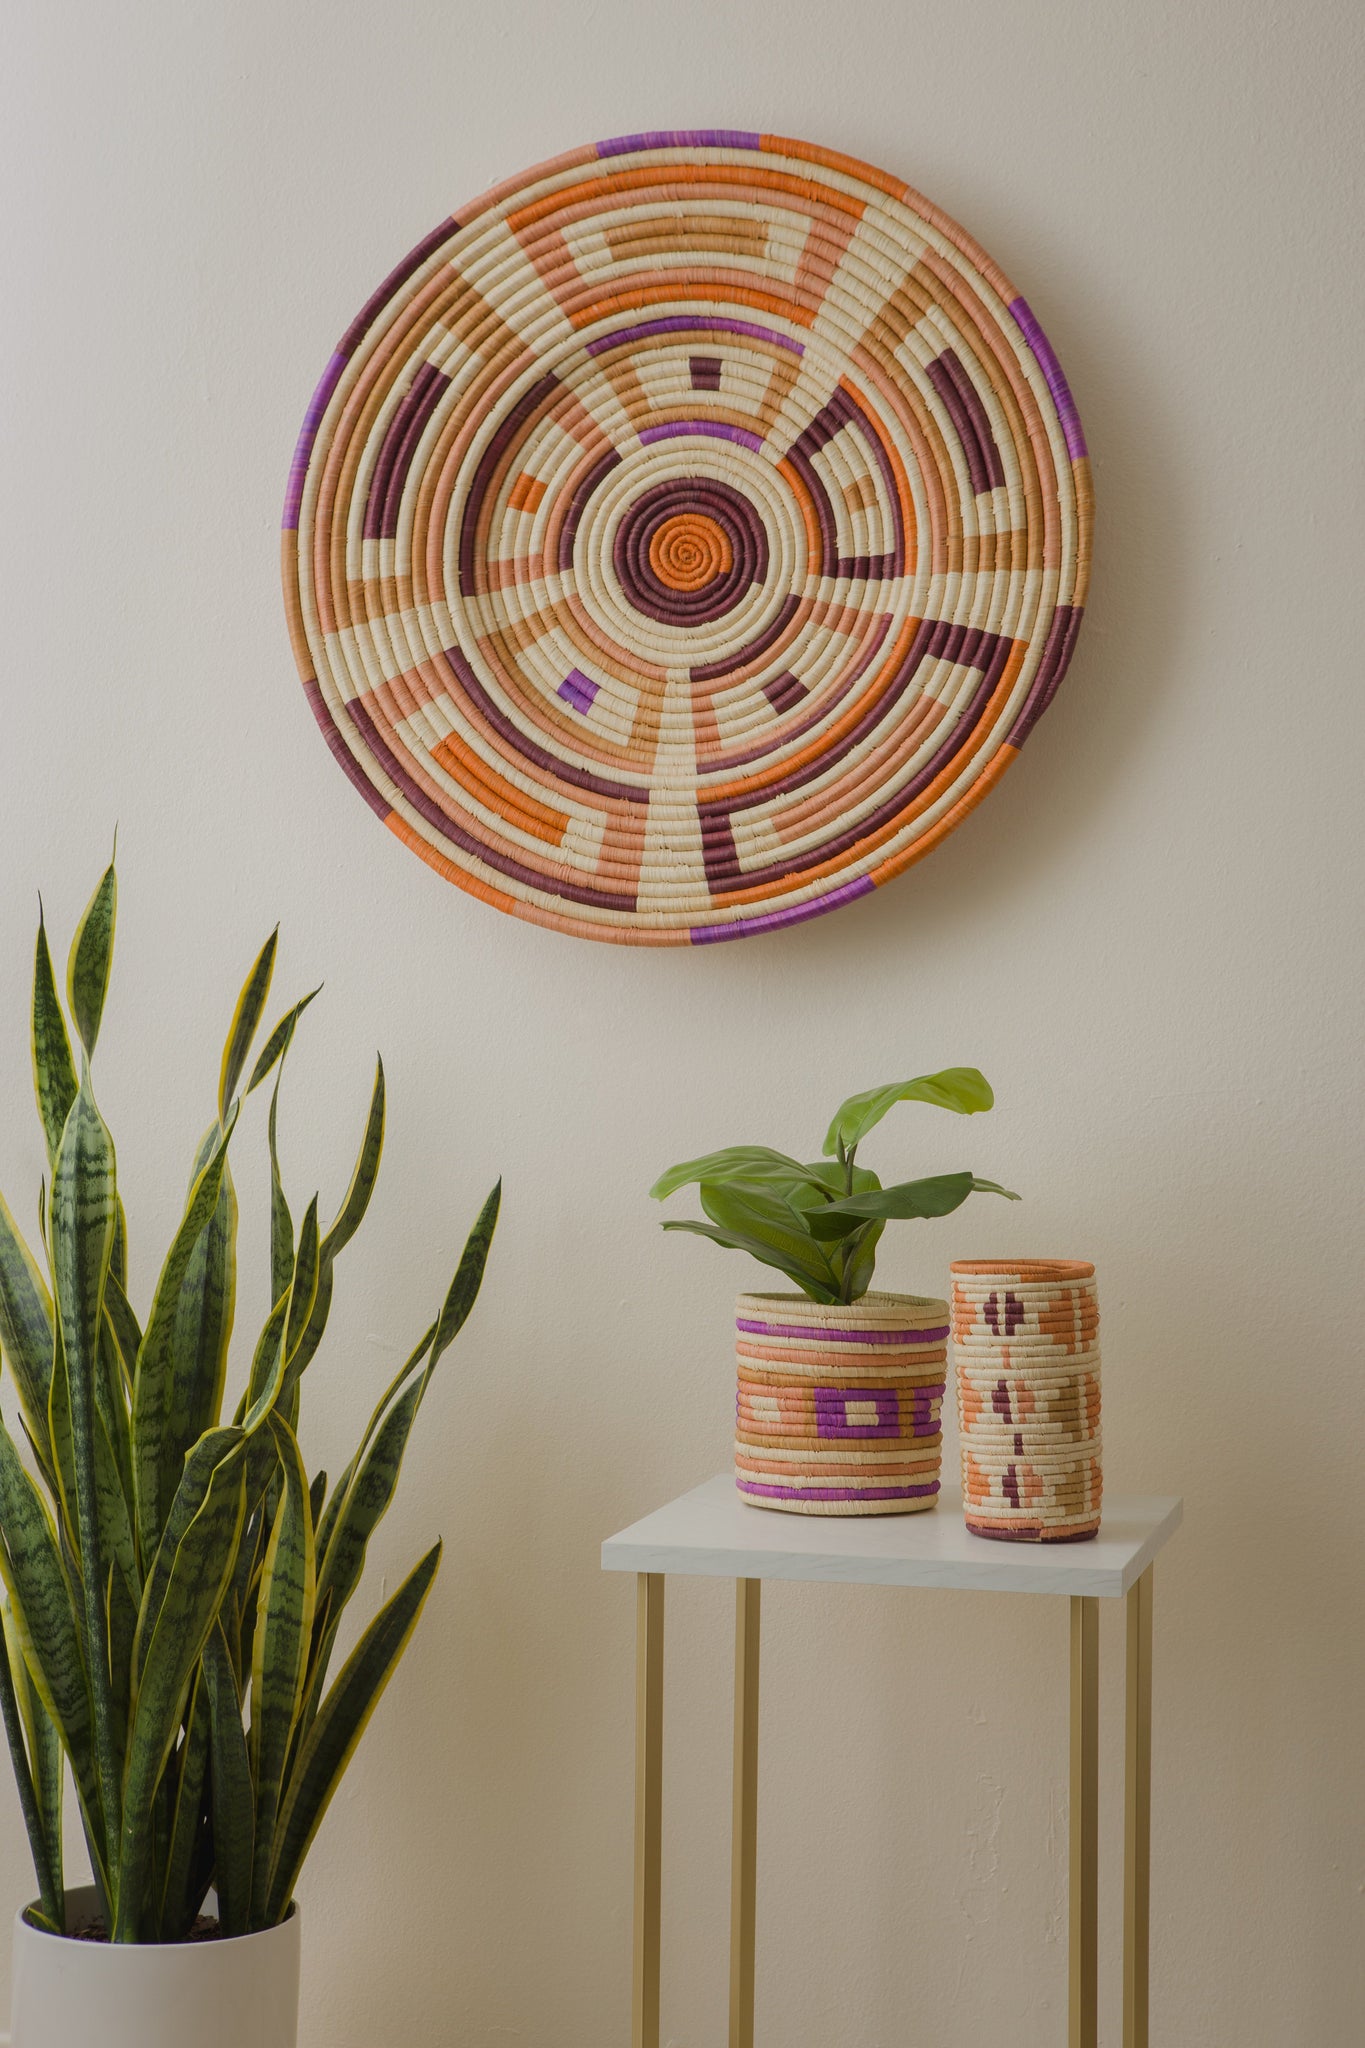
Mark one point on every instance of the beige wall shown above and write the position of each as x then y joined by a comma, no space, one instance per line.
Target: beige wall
1148,938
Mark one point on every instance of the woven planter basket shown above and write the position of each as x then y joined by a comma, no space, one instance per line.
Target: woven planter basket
838,1409
685,537
1027,1358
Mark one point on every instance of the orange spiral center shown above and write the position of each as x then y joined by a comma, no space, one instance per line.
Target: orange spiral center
689,551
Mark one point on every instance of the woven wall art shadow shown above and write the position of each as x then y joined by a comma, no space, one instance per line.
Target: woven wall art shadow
685,537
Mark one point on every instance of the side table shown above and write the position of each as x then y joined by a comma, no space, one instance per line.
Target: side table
712,1533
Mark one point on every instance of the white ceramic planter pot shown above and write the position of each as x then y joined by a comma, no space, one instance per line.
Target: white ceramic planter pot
242,1993
839,1408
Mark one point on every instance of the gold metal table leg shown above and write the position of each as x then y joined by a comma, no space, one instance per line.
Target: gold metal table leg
1137,1812
649,1759
1083,1882
744,1829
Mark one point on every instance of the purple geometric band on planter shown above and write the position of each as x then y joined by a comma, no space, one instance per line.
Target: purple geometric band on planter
838,1492
833,1336
925,1404
840,1412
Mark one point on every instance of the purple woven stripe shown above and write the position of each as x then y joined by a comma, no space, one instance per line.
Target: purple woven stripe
393,283
1033,334
716,429
832,1416
837,1492
341,753
816,1330
777,920
517,741
681,138
578,690
691,323
308,433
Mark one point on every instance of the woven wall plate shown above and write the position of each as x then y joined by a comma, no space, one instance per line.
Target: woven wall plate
685,537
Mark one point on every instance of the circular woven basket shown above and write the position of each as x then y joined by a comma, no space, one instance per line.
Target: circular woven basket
685,537
838,1409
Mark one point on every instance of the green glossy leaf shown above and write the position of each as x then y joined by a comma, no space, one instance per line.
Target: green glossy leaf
750,1212
45,1624
185,1587
92,950
754,1164
153,1387
245,1018
858,1260
959,1088
234,1812
278,1042
341,1721
54,1072
83,1195
25,1327
279,1664
937,1196
765,1254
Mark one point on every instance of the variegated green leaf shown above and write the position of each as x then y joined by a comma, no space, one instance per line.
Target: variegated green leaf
83,1194
341,1721
92,950
45,1623
179,1894
300,1300
281,1222
278,1043
123,1327
202,1331
245,1019
153,1391
234,1816
33,1754
54,1072
352,1211
184,1590
25,1327
279,1664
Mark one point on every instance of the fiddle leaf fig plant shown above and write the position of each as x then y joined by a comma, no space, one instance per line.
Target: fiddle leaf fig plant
174,1584
819,1221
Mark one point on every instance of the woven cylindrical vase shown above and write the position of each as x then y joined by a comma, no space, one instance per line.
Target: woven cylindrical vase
1027,1356
839,1407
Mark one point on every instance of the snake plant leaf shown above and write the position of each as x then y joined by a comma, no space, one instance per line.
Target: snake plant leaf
92,951
54,1072
245,1019
816,1290
202,1330
281,1222
45,1623
341,1721
83,1193
279,1663
185,1588
234,1813
277,1363
754,1164
179,1900
963,1089
152,1389
351,1214
317,1494
366,1503
755,1213
25,1327
937,1196
279,1040
122,1324
43,1744
33,1751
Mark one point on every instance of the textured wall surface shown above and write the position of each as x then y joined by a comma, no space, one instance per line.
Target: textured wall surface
1148,938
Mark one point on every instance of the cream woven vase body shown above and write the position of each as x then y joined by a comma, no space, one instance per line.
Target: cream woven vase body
1026,1344
838,1408
241,1993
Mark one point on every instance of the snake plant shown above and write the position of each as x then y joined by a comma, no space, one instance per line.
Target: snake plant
175,1583
820,1222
